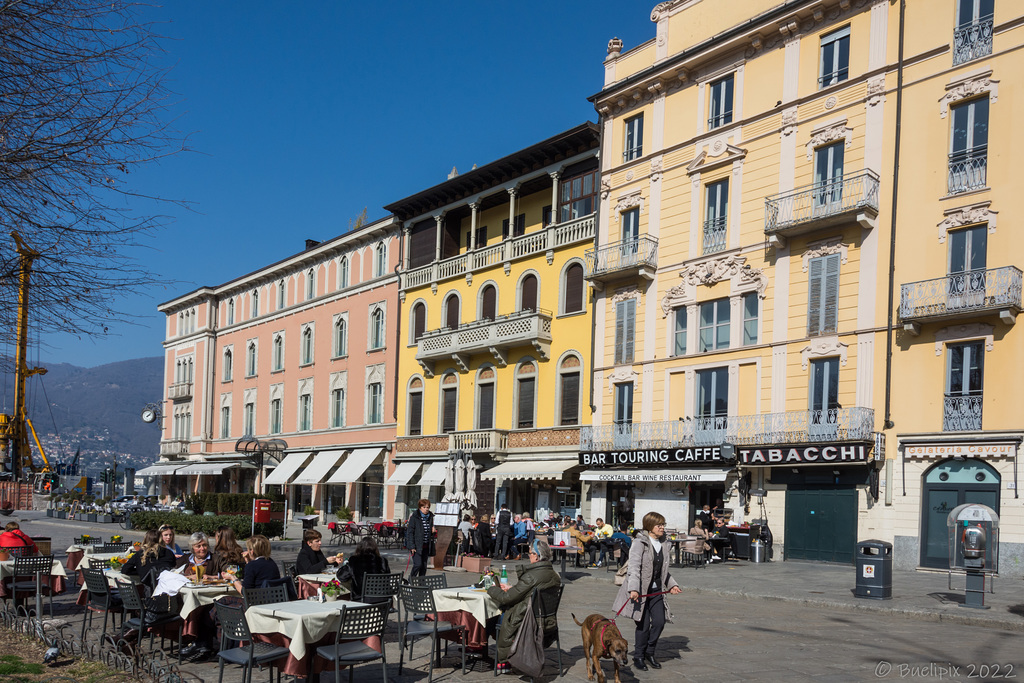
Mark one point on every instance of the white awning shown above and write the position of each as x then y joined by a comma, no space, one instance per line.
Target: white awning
316,472
208,468
403,473
667,475
159,469
288,467
355,464
530,469
434,475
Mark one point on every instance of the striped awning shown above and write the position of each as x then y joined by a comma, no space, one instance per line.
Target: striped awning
288,467
403,473
316,472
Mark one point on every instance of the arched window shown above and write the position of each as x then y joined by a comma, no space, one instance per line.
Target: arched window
278,352
451,312
415,409
569,377
307,346
310,284
419,321
228,365
528,293
340,338
255,303
281,298
572,289
231,312
343,272
449,403
377,329
250,362
526,391
485,399
338,407
488,303
380,259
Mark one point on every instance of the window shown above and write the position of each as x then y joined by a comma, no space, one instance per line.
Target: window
228,365
451,312
305,413
750,314
968,150
275,416
835,58
255,303
519,229
485,399
967,275
343,272
714,325
720,112
449,408
249,419
972,37
824,420
828,176
488,303
310,284
380,260
281,292
225,422
569,390
964,383
528,293
278,353
250,361
375,403
338,408
634,145
481,237
527,386
579,196
377,328
622,427
416,407
625,330
231,312
572,289
340,338
307,346
823,295
716,212
631,228
712,405
419,321
679,334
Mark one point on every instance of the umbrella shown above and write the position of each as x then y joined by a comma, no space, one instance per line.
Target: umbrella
460,480
471,470
449,481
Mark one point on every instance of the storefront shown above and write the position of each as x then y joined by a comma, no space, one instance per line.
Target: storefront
538,487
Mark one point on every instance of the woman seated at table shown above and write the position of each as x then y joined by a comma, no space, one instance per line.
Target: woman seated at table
512,599
260,570
151,560
167,540
365,560
201,556
702,535
311,559
227,549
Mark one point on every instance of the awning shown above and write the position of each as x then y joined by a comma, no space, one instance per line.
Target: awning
355,464
316,472
669,475
159,469
208,468
530,469
403,473
434,475
288,467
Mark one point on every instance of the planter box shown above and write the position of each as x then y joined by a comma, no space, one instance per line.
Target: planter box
61,514
49,512
90,518
105,519
475,565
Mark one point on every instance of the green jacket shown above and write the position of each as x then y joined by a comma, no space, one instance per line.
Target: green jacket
531,577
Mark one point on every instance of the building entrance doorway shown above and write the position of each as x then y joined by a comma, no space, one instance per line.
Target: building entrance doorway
620,505
947,485
821,523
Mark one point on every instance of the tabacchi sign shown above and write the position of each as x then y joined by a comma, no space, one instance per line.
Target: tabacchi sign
682,457
804,455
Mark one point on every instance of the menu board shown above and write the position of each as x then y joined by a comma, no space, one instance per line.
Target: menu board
446,514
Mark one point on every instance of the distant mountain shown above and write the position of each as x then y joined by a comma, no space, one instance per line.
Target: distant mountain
96,410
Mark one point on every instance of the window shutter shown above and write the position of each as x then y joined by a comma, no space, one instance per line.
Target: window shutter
526,389
485,419
574,288
529,298
448,424
571,398
415,414
831,294
490,305
422,243
419,321
620,331
520,228
814,289
629,331
504,229
452,313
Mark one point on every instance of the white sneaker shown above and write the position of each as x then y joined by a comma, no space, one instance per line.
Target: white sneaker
600,564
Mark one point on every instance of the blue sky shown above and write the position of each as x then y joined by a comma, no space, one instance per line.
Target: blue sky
301,114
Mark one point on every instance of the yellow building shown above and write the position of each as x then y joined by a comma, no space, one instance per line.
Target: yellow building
494,350
742,272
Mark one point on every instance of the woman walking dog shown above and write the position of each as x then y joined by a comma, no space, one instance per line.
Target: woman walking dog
642,595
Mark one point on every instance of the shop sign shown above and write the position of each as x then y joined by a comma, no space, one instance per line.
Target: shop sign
666,476
669,457
804,455
950,450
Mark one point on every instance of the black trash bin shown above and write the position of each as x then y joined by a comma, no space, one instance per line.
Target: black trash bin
874,570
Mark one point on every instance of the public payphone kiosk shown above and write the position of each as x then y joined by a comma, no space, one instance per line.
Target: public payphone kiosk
974,550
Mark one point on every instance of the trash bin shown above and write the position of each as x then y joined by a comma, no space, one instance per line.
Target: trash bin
757,551
874,570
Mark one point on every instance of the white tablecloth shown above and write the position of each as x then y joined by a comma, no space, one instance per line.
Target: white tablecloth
7,569
318,578
476,601
97,558
301,621
194,597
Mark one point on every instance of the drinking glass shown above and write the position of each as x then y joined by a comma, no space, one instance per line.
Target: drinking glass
200,570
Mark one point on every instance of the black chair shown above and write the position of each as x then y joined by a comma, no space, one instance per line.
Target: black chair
101,599
420,600
114,547
18,550
357,623
545,604
36,567
336,534
81,540
431,581
380,587
129,594
288,568
234,628
264,596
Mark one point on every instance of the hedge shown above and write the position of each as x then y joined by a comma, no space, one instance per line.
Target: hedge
188,524
230,502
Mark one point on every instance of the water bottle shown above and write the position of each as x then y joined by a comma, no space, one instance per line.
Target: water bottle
504,574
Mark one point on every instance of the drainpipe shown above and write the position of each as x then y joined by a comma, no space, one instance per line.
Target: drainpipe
889,424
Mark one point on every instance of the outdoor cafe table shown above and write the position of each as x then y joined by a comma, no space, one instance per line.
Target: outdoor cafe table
469,607
309,583
302,626
564,551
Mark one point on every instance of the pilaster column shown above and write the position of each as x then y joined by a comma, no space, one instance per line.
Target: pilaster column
439,220
474,208
406,246
555,175
512,193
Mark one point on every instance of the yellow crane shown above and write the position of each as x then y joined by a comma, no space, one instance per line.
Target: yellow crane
15,451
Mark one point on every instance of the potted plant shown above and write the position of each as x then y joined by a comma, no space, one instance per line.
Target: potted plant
4,554
86,539
331,590
115,539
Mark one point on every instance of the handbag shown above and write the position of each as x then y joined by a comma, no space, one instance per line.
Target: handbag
159,607
527,651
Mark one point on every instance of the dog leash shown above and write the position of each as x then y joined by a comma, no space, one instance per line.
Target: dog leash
648,595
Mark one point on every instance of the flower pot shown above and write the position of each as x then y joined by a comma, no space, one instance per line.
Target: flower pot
330,598
4,556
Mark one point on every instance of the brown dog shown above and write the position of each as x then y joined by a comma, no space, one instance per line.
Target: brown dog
602,640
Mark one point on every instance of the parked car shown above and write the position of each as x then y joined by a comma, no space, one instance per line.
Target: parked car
124,503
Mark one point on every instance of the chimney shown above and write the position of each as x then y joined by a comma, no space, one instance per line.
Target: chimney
311,243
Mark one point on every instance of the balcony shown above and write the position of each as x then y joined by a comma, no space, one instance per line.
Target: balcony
174,447
959,295
523,328
962,412
180,391
851,198
968,170
714,234
796,427
626,258
543,241
475,441
972,41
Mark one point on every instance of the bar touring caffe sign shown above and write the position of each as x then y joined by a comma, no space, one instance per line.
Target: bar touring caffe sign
666,457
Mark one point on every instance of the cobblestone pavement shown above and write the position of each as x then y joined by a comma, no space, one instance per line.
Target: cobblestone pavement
778,621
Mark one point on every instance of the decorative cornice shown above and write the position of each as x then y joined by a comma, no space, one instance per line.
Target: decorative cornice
626,294
830,132
621,374
823,347
876,90
969,86
967,215
732,267
834,245
628,201
955,333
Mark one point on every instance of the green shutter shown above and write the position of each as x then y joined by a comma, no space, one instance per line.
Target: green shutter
830,317
814,289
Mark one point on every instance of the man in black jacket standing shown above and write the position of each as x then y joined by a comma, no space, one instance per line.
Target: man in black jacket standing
419,537
502,532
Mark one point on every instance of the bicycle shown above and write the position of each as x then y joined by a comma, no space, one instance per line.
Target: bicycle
126,520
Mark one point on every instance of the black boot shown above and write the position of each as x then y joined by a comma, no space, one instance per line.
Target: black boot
653,662
639,664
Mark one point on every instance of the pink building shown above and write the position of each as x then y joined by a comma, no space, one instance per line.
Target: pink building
303,350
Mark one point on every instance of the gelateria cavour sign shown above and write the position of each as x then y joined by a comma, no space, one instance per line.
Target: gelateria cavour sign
666,457
821,454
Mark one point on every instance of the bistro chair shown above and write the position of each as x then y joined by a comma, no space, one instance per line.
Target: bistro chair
114,547
15,551
235,629
288,568
420,600
380,587
36,567
357,624
144,622
431,581
265,596
336,534
101,599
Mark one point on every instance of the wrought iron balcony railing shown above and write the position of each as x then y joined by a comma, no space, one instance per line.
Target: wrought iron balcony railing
523,328
959,294
962,412
623,258
823,204
972,41
968,169
714,234
179,391
796,427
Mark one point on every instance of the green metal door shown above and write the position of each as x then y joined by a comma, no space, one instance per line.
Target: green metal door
821,524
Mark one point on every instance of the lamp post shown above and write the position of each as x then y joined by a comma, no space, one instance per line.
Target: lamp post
255,451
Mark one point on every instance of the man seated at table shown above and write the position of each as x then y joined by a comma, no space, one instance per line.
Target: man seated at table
603,535
721,540
512,599
14,537
519,534
584,543
621,541
311,559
